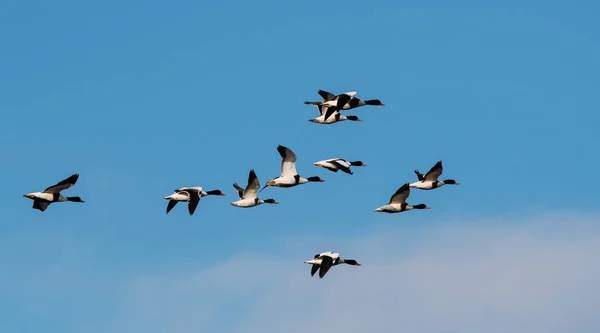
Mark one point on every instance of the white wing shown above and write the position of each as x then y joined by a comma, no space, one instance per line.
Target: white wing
192,188
333,255
350,93
288,162
252,187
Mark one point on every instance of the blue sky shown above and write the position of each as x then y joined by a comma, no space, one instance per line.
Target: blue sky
143,97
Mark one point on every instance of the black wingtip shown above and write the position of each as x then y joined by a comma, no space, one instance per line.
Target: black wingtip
252,176
282,150
73,178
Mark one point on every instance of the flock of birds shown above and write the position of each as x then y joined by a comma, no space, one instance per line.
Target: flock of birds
329,113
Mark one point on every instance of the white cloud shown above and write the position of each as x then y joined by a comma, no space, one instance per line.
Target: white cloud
530,275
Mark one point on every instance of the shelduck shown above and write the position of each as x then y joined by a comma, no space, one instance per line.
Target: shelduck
334,100
190,194
322,262
248,196
335,164
41,200
329,115
289,177
398,203
430,181
353,103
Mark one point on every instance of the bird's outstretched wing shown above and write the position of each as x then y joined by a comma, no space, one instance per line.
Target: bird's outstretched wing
401,194
326,263
63,184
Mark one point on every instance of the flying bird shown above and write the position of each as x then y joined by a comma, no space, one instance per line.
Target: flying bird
248,196
430,181
353,103
398,203
322,262
335,164
289,176
190,194
330,114
41,200
330,99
